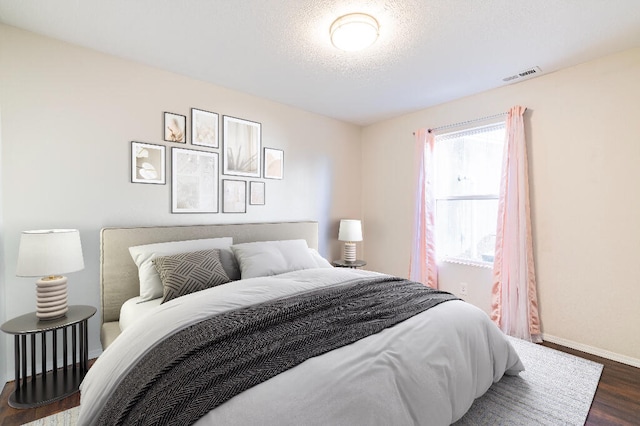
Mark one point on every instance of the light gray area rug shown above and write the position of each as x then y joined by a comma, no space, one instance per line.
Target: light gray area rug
555,389
66,418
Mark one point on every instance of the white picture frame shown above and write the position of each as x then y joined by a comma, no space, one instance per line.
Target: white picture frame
256,193
234,196
175,127
194,181
242,147
273,163
148,164
204,128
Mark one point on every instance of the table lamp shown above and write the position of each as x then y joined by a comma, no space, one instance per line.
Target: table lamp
350,231
49,254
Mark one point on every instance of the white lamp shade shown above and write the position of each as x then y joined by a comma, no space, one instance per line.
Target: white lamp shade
49,252
350,230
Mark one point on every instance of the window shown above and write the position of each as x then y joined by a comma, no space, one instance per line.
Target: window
468,165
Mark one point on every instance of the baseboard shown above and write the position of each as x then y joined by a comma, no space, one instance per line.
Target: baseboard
95,353
634,362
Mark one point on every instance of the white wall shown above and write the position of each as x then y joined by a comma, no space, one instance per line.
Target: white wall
3,317
68,116
584,152
478,281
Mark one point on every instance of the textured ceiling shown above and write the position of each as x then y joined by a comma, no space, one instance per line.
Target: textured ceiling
428,52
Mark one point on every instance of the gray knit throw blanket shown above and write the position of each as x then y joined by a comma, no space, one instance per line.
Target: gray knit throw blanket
198,368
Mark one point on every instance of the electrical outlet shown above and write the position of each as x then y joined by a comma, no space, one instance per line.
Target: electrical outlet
463,289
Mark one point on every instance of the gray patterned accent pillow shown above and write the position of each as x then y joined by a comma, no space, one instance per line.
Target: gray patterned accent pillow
186,273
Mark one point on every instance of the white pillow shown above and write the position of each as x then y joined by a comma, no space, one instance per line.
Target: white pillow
150,284
321,262
266,258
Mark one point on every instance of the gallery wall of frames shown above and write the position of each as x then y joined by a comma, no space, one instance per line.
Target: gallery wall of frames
220,171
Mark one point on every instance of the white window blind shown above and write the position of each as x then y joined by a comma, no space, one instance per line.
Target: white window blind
468,165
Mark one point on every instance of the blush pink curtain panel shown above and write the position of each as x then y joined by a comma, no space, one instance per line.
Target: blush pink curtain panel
422,266
514,296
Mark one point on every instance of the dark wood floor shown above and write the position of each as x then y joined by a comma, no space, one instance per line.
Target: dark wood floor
617,399
12,416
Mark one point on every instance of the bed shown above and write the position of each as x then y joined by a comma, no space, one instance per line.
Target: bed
294,341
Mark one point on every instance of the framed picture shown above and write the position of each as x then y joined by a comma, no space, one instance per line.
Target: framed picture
194,181
256,193
204,128
147,163
242,143
175,127
273,163
234,196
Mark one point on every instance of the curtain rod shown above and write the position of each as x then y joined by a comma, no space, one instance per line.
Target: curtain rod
462,123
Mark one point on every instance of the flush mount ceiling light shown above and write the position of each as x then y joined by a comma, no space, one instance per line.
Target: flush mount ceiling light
355,31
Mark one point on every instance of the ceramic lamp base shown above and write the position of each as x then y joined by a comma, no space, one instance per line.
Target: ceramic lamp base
349,253
51,298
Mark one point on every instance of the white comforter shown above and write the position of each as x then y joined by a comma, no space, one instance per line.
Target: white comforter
426,370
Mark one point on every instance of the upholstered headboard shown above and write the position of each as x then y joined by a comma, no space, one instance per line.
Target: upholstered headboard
119,275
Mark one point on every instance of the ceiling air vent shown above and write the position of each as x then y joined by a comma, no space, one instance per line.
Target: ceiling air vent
528,73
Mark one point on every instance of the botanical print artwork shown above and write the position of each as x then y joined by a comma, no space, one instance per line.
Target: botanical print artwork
195,181
256,193
204,128
234,196
147,163
242,140
175,127
273,163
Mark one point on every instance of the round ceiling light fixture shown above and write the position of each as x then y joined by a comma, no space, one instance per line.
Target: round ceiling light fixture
355,31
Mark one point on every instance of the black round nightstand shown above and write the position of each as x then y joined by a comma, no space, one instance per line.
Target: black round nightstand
62,381
346,264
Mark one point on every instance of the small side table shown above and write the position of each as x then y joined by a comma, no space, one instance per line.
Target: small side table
346,264
46,387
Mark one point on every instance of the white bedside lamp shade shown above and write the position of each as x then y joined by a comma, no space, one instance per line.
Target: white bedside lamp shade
349,232
49,254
